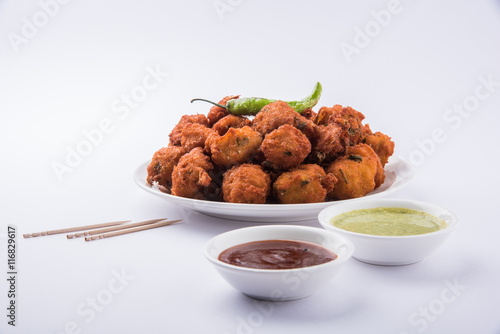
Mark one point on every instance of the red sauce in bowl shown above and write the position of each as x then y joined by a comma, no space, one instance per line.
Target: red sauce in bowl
277,254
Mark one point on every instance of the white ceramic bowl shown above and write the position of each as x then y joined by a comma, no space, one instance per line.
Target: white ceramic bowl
280,284
391,250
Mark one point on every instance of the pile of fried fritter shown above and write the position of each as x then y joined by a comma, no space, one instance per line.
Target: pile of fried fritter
279,156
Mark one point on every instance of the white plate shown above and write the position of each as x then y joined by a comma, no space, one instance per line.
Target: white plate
397,174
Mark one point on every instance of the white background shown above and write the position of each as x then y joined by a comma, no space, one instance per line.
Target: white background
67,68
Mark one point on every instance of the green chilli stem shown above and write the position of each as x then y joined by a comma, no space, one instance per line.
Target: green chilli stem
215,104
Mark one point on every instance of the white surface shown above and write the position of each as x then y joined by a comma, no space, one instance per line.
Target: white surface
73,75
282,284
398,173
392,250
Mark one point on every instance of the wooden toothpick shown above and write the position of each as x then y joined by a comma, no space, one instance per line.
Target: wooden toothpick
111,229
131,230
74,229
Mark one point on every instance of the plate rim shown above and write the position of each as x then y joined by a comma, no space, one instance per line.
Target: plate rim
262,209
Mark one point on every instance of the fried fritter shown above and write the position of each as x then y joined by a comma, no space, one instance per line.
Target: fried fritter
194,135
230,121
162,164
309,114
337,128
380,143
272,116
305,184
326,116
216,113
246,183
349,120
328,144
286,147
358,172
190,176
237,146
306,126
279,113
176,133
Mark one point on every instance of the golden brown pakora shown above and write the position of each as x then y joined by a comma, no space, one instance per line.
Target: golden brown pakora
382,144
190,176
328,144
246,183
306,126
230,121
347,118
194,135
176,133
309,114
305,184
236,147
326,116
272,116
162,164
358,172
286,147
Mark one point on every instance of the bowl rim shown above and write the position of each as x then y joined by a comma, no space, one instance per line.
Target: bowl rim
321,231
448,229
